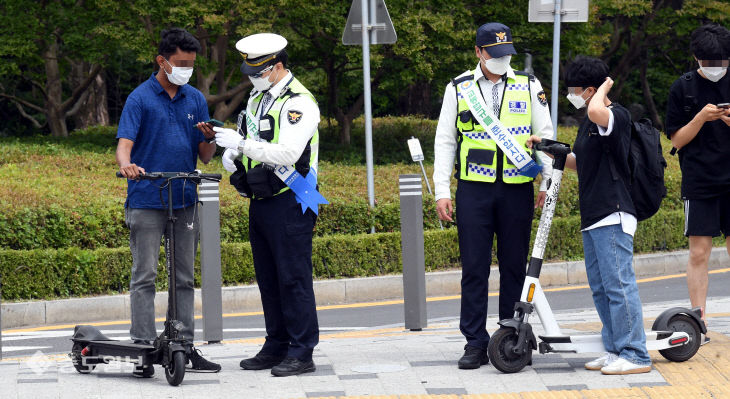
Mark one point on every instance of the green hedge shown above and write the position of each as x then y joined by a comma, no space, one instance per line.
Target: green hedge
390,136
55,227
49,273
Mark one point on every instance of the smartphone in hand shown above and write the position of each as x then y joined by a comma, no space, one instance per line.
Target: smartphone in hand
214,122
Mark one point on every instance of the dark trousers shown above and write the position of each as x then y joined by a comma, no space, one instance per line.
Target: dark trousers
483,210
281,243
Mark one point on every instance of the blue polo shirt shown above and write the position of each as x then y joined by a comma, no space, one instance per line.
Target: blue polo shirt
165,140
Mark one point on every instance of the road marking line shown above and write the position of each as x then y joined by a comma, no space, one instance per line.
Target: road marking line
23,348
352,305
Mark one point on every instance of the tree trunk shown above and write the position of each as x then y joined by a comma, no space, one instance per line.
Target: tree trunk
54,91
648,99
93,109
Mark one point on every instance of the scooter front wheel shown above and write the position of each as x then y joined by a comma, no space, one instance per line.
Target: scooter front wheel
686,324
175,372
501,351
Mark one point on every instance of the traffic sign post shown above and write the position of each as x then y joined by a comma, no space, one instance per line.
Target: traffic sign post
414,146
368,22
557,11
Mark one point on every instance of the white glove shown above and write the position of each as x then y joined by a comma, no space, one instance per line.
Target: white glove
229,156
228,138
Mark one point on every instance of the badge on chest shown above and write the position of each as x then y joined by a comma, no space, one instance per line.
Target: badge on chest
517,107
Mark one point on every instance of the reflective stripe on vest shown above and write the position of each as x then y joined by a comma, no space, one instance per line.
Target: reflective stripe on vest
294,88
477,152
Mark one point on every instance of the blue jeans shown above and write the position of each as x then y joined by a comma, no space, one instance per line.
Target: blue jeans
608,256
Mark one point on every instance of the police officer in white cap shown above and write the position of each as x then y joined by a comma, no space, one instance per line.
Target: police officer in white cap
493,195
277,132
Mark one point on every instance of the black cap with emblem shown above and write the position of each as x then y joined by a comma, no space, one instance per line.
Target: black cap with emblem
259,51
496,38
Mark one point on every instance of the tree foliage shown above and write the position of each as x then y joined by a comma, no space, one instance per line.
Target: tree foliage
74,61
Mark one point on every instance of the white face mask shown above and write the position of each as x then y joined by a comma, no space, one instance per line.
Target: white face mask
497,66
179,75
577,100
713,73
262,84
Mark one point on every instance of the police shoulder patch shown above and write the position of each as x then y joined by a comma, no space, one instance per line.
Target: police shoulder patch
542,98
294,116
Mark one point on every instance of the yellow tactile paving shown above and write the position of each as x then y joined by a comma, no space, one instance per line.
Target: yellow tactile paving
710,366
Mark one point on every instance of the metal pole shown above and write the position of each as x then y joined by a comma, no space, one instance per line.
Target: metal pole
210,262
414,264
368,111
556,68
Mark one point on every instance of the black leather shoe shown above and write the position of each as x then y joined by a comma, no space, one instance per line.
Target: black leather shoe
199,364
144,372
473,358
261,361
293,366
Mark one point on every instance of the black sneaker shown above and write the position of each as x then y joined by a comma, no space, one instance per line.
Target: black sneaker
261,361
144,372
473,358
293,366
200,364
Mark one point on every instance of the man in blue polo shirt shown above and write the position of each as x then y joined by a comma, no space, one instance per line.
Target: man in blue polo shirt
160,131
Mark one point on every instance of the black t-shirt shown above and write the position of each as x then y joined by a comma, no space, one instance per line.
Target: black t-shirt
603,168
705,161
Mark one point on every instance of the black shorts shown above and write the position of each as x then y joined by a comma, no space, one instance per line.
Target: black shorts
707,217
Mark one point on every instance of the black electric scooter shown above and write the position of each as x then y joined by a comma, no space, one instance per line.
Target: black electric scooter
676,333
91,347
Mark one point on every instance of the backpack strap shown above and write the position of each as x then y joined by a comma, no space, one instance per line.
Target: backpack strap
689,97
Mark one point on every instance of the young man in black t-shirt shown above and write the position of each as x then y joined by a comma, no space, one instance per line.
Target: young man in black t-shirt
608,217
701,131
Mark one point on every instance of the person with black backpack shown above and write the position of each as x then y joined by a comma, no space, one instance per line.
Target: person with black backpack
608,216
698,123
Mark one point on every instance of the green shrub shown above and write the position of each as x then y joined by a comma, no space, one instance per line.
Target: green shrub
50,273
82,207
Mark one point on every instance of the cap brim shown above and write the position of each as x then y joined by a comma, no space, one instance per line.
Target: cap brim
500,50
252,70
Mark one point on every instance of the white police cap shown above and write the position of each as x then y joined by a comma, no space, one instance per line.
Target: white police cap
259,51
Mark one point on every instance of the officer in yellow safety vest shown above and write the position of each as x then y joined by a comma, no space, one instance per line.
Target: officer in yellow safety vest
273,157
492,196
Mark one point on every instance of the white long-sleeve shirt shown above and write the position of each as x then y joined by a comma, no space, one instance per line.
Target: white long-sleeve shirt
293,136
445,142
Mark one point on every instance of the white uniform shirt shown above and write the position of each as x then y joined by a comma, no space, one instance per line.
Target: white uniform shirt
293,137
626,220
446,133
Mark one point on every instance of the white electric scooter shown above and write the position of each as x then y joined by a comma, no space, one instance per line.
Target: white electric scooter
676,333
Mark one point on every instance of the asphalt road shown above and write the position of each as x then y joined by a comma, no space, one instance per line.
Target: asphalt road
26,342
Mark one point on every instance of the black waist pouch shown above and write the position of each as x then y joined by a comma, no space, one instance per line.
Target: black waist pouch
263,182
238,180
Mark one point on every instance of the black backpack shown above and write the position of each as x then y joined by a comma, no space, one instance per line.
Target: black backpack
646,165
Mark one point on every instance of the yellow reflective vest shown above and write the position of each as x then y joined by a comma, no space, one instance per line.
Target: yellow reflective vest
477,158
269,131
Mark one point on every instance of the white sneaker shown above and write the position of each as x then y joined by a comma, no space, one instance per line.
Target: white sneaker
602,361
622,366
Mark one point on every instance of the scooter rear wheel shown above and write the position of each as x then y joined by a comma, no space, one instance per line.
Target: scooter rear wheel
77,359
175,372
683,323
501,353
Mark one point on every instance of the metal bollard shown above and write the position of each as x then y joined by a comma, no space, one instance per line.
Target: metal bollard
414,264
210,261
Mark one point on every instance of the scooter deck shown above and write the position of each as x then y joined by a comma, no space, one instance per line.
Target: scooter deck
116,348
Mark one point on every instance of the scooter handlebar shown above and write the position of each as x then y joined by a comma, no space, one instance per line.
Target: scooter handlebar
556,148
177,175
